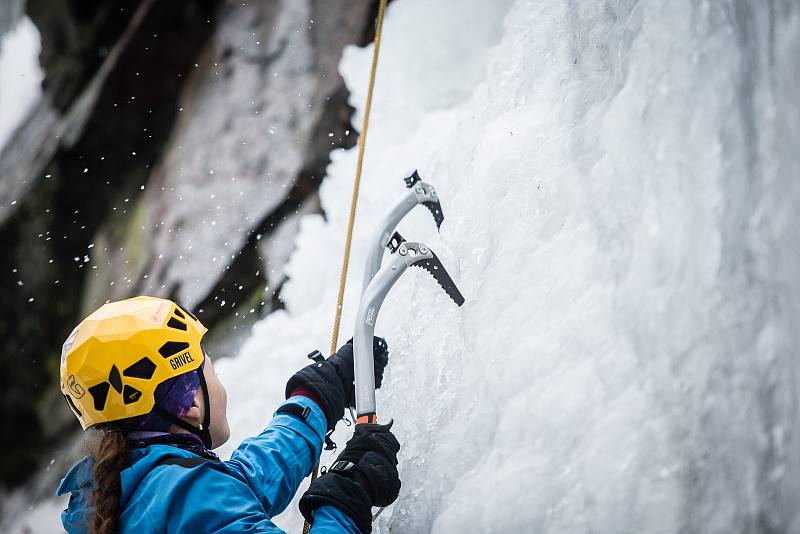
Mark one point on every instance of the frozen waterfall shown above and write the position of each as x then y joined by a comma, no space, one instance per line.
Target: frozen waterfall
620,185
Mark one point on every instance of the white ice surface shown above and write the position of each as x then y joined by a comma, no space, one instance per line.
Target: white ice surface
620,190
39,518
21,75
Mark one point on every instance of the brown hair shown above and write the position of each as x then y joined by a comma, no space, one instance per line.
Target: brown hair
110,454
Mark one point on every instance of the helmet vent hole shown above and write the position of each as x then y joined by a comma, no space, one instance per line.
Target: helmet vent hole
130,395
174,323
179,313
99,394
72,406
144,369
115,379
171,348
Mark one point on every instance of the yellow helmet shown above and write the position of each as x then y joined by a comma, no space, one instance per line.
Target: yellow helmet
113,361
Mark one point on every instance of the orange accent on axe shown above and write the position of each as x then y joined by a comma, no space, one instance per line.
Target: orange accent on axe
370,418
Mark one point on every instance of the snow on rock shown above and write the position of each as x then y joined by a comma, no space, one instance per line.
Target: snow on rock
21,74
619,182
251,121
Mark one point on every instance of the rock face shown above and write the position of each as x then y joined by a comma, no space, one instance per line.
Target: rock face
262,109
66,166
174,146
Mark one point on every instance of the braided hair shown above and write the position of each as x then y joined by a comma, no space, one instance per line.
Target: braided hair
110,456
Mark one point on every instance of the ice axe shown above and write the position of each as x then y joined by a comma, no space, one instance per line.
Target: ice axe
419,192
403,255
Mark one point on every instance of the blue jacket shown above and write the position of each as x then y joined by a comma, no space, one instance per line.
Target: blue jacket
240,495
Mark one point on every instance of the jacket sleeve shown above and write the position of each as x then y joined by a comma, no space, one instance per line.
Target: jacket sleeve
330,520
275,462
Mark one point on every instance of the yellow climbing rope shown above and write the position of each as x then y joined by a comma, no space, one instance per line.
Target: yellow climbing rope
362,142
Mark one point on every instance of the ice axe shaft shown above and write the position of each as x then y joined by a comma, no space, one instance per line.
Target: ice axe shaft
371,302
404,255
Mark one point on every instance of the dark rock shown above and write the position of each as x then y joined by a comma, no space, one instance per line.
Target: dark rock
87,153
113,172
254,118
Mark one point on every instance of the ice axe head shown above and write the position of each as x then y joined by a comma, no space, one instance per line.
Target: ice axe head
426,195
421,256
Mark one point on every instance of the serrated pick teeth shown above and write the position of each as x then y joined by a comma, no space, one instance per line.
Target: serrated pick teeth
436,210
442,278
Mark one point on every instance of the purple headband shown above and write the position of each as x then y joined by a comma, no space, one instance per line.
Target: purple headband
175,396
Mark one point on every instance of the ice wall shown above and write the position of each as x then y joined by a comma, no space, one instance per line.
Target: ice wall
620,181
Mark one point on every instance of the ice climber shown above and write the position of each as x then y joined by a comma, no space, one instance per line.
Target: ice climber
135,371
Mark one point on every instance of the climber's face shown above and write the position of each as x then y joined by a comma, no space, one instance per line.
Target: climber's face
218,398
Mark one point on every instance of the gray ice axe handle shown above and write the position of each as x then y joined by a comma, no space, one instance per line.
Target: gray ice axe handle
419,192
404,255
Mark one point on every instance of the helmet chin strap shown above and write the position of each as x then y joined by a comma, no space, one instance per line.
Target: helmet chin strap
202,431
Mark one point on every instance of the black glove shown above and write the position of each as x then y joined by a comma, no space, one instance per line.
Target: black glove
345,368
364,475
333,380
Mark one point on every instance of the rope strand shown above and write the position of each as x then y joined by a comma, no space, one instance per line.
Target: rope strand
362,142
